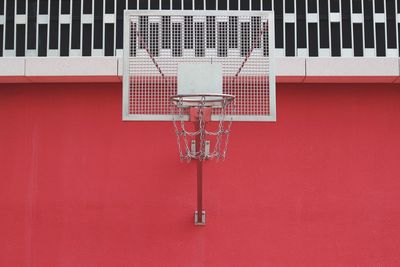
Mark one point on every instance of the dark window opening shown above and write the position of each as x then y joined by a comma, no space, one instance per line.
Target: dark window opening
64,40
313,39
87,40
289,40
42,40
20,41
176,40
358,40
335,39
289,6
109,39
380,40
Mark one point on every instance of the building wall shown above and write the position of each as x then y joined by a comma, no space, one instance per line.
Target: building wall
80,187
323,28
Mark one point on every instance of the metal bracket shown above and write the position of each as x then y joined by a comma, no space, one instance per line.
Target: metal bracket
203,218
207,144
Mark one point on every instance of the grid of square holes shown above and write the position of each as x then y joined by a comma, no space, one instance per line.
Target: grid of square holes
159,42
337,28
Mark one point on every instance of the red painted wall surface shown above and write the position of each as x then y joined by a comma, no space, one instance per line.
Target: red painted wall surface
79,187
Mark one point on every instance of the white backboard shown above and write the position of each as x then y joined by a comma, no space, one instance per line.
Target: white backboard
157,43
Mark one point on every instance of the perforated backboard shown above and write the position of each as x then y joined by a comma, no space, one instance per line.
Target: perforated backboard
157,42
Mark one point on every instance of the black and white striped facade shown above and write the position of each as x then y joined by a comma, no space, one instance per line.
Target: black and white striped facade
303,28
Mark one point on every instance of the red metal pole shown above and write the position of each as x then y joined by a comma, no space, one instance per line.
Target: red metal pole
200,191
199,178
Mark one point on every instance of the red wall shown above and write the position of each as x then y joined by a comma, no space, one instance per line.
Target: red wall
79,187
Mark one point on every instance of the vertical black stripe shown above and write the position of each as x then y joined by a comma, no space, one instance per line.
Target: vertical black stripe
357,6
143,31
313,39
98,24
176,40
65,6
166,32
368,24
32,20
346,24
391,23
21,6
42,40
267,4
256,32
289,40
133,45
266,41
64,40
334,5
109,6
1,40
222,50
210,4
154,40
210,27
245,38
301,24
176,4
43,7
335,39
2,7
289,6
199,45
109,39
87,39
154,4
233,32
379,6
188,31
132,4
278,23
255,5
165,4
245,4
120,24
233,4
358,40
87,6
323,23
187,4
10,19
53,30
398,37
20,41
143,4
76,24
222,4
312,6
380,40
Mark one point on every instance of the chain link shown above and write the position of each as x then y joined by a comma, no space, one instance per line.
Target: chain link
185,137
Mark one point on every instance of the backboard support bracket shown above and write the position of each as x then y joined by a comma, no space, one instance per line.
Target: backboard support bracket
200,221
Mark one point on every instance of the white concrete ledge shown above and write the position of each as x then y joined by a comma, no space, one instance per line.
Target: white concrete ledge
352,67
288,70
12,66
91,66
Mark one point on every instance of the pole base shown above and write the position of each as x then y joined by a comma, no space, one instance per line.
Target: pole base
196,218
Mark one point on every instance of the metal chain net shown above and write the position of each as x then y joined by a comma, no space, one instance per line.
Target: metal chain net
213,137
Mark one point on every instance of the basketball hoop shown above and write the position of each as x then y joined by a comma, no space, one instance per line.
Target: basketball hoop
202,70
195,143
